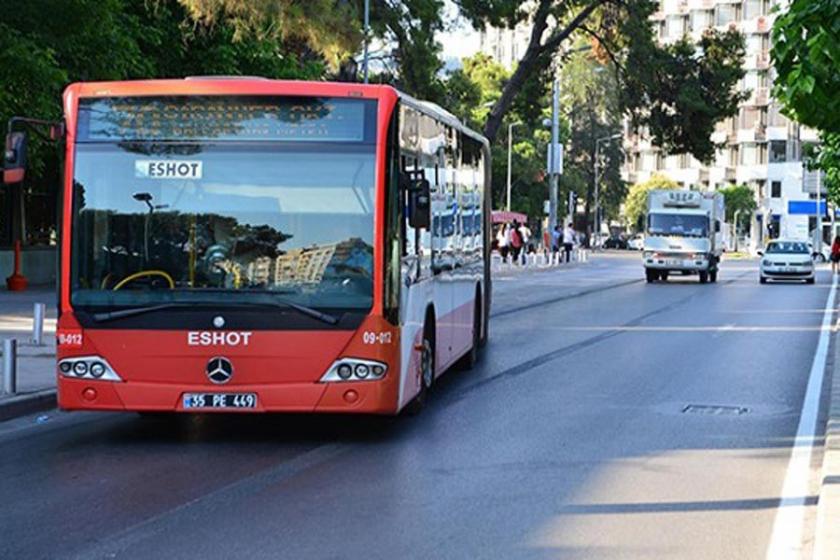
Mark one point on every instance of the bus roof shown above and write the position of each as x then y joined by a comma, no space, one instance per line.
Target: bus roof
255,85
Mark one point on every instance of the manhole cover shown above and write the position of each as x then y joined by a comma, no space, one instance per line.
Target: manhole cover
715,410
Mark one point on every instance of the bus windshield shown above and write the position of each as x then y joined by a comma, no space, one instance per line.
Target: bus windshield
179,201
680,225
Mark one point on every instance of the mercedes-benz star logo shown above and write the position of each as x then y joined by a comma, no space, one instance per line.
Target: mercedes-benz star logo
219,370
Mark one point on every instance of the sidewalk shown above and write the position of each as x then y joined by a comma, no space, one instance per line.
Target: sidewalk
35,364
827,538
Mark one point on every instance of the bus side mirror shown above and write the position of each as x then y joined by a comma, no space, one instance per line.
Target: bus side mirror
420,204
14,158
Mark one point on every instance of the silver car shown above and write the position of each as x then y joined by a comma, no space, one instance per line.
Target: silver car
786,260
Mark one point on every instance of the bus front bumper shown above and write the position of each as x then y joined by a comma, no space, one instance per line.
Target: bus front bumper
365,397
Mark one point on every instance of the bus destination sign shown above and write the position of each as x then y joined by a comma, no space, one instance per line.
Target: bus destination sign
228,118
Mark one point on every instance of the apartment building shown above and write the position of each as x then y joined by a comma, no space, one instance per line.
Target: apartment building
762,148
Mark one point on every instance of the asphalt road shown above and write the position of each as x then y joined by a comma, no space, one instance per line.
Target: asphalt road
634,421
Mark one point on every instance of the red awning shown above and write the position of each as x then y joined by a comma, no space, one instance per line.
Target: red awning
505,217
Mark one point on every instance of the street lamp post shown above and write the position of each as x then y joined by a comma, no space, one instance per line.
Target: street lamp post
598,180
511,126
367,32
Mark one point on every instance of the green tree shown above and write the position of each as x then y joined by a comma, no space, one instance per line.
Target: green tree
470,90
684,91
635,205
806,56
592,101
739,199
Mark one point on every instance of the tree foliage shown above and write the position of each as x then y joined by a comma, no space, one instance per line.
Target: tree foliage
635,206
677,92
330,28
739,199
469,91
806,57
592,102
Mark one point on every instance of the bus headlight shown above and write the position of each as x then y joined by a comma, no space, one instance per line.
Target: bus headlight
354,369
87,367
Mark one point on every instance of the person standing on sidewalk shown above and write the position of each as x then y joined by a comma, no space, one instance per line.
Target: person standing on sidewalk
503,240
556,238
516,241
568,241
835,254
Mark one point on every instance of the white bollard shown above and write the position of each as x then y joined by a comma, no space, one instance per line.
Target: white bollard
10,366
38,312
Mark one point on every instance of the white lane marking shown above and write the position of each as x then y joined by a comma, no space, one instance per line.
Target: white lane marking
786,538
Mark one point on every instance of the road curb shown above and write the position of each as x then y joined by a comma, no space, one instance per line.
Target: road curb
827,535
27,403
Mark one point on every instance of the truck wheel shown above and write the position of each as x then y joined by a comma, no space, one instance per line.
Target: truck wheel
663,275
704,276
650,275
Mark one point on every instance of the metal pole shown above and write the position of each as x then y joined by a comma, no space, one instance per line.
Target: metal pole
38,312
597,192
818,248
555,140
510,147
10,366
735,228
367,31
511,126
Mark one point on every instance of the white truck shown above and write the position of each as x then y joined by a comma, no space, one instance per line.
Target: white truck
683,234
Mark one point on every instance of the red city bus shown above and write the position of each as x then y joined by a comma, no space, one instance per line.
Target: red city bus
257,245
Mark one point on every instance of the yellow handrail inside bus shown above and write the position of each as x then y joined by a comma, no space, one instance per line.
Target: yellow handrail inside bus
142,274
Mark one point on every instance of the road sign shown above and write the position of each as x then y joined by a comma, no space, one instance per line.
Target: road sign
558,159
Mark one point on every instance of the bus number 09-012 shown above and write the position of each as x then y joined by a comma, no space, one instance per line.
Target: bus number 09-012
370,337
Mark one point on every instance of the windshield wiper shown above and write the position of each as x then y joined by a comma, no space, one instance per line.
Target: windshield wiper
308,311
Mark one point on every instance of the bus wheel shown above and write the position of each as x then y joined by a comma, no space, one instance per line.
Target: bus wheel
427,374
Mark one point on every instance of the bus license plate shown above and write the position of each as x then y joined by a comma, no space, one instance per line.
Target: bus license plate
220,400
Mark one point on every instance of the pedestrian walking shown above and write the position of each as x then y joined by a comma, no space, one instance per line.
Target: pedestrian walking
516,242
556,239
503,241
568,241
835,254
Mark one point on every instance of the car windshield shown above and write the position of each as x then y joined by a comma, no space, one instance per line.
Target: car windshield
787,247
181,220
683,225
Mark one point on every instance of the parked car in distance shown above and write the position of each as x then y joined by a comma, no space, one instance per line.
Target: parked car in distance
615,242
637,242
787,260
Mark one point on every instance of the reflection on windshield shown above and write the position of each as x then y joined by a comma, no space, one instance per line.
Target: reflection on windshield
684,225
787,247
269,219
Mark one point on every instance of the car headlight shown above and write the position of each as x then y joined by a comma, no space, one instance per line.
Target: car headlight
765,262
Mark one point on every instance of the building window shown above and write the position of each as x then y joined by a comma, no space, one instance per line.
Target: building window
753,154
726,14
754,8
778,151
701,20
675,27
776,189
